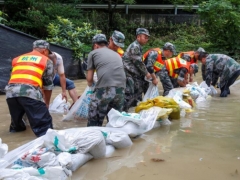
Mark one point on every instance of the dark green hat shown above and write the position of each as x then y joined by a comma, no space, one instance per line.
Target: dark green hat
118,38
42,44
169,46
99,38
142,31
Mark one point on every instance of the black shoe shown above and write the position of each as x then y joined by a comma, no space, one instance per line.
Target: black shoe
13,129
224,93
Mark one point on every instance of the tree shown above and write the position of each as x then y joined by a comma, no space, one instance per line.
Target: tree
65,33
221,21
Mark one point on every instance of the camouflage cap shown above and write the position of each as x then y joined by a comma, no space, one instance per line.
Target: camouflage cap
195,67
169,46
118,38
142,31
99,38
42,44
200,50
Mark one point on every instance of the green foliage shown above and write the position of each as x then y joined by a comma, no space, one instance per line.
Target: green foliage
63,32
184,37
221,21
2,17
32,16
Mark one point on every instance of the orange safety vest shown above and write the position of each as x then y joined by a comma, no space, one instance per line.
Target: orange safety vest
28,69
176,63
191,54
159,63
120,51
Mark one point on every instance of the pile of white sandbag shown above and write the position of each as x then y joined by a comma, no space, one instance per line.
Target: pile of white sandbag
58,153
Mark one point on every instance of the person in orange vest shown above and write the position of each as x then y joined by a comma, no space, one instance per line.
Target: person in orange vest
169,50
31,72
176,68
193,57
154,61
116,42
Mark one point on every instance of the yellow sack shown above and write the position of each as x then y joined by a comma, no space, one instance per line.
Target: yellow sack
166,102
144,105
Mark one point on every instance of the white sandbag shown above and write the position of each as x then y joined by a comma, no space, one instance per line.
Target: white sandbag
177,97
150,116
118,140
165,122
32,157
79,160
109,151
65,159
59,105
3,149
76,140
209,90
58,141
131,129
47,159
151,93
17,174
79,110
50,173
13,155
117,119
99,150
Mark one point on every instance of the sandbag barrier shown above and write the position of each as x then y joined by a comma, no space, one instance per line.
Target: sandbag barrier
60,152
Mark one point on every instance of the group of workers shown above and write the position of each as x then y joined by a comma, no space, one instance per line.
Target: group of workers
123,77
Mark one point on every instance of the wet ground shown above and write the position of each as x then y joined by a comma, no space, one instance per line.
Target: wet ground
205,145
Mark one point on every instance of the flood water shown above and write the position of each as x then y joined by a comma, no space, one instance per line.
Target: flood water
205,145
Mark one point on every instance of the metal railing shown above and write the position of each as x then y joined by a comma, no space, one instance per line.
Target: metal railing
134,6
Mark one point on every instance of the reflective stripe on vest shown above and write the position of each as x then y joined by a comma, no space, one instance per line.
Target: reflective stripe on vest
176,63
191,54
120,52
159,63
28,69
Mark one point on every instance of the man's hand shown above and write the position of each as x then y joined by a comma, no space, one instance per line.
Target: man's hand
89,84
155,81
190,79
64,96
148,76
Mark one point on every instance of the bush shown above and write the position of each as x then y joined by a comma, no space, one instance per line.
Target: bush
2,17
221,21
63,32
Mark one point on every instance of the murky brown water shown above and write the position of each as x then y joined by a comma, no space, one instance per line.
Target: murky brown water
205,145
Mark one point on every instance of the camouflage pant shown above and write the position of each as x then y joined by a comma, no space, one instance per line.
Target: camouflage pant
225,88
168,82
101,103
203,69
133,92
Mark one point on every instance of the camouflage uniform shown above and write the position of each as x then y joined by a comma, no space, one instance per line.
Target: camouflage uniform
25,98
223,66
101,103
135,71
105,98
168,82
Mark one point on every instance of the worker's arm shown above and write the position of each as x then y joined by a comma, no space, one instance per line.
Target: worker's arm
182,77
63,86
47,79
90,69
90,73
